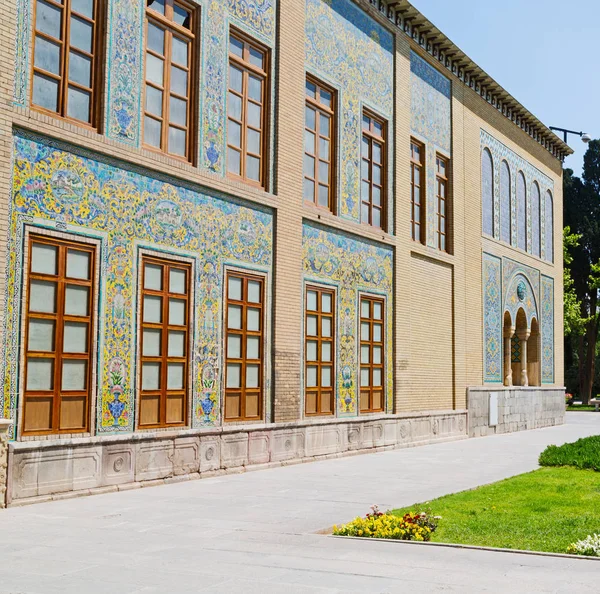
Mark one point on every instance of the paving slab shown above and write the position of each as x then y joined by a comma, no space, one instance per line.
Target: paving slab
256,532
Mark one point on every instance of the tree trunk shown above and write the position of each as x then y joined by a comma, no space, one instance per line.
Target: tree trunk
590,353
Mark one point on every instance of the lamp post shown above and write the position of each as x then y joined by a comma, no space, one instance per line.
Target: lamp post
585,137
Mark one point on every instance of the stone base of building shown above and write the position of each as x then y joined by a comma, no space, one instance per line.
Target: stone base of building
505,410
46,470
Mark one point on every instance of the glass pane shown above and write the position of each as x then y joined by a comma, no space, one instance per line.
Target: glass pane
326,352
311,118
376,222
311,326
78,104
234,133
235,79
236,47
76,300
47,19
178,281
378,127
234,317
254,292
234,346
376,332
376,196
365,354
324,171
156,39
366,175
326,327
253,168
40,374
323,195
83,7
234,161
43,258
151,343
181,16
152,309
152,132
80,35
312,377
176,312
309,190
365,331
41,335
377,153
377,174
324,148
74,375
253,320
364,213
377,355
78,264
253,139
175,376
365,310
235,288
311,350
75,336
376,378
326,377
309,142
45,92
47,55
324,122
366,122
254,115
180,51
154,70
256,57
325,98
234,106
312,300
176,344
311,89
364,377
42,296
80,69
326,302
177,141
377,310
234,375
252,376
178,111
158,5
309,166
153,277
150,376
253,347
255,88
365,189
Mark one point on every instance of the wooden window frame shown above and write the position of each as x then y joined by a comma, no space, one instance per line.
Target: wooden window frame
243,361
97,56
60,319
321,108
319,391
191,34
372,137
420,165
248,68
443,218
164,326
371,344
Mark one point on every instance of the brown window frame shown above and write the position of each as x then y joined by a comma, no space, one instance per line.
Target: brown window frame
97,56
372,137
320,108
243,393
172,29
247,68
318,392
163,393
60,318
371,344
442,214
418,164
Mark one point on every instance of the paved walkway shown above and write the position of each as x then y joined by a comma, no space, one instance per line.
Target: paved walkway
255,532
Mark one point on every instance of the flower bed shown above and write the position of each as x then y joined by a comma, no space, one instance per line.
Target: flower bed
589,547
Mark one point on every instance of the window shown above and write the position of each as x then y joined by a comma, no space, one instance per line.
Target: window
244,347
164,342
549,227
521,212
170,49
66,62
59,325
318,145
441,176
247,110
371,355
319,352
373,171
505,199
487,192
536,213
417,190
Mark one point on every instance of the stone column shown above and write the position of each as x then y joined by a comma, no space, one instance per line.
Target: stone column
524,337
509,332
4,427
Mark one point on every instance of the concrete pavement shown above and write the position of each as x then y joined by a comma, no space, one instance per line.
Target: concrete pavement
255,532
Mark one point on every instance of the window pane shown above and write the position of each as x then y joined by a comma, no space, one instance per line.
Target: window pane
74,375
80,35
326,327
152,309
254,292
234,346
41,335
323,195
150,376
311,89
326,352
377,355
323,171
311,326
234,159
312,377
364,213
176,344
311,350
151,343
376,332
253,142
76,300
40,374
234,133
365,310
256,57
175,376
365,190
236,47
365,170
153,277
309,190
253,168
364,377
158,5
325,98
378,127
365,354
324,148
181,16
255,88
253,320
365,331
252,376
75,337
47,55
254,115
177,281
376,222
176,312
253,347
78,264
324,122
234,106
178,111
377,174
43,258
235,79
326,377
312,300
83,7
179,51
376,196
311,118
80,69
234,317
309,142
376,378
377,310
177,141
78,105
45,92
234,375
48,19
326,302
154,70
366,122
235,287
152,132
42,296
156,39
377,153
309,166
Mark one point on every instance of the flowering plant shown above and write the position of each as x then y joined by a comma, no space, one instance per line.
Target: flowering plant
412,526
590,546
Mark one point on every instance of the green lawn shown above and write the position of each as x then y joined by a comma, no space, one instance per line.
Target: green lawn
545,510
580,408
583,453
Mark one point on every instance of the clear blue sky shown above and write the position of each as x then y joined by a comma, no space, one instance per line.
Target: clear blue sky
545,53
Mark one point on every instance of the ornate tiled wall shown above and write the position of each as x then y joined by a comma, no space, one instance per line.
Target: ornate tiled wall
431,122
353,53
516,163
351,265
492,319
57,188
547,330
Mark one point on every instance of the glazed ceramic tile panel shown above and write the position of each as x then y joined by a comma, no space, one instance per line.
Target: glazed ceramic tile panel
22,43
520,295
516,164
349,50
547,330
492,319
431,122
57,188
352,266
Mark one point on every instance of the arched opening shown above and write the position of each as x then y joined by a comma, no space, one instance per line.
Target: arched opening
533,355
487,192
518,350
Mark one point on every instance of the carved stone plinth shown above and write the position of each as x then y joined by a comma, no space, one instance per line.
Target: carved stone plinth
4,427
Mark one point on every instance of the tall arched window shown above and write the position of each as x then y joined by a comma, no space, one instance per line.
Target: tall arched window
549,227
535,220
521,211
487,192
505,223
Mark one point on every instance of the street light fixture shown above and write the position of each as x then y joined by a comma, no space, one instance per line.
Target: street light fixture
585,137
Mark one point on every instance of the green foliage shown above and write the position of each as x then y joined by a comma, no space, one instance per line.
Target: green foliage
583,453
545,510
574,321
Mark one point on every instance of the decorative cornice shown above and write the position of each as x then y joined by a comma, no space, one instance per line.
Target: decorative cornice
409,20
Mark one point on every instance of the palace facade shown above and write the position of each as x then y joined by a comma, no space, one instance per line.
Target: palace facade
240,232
